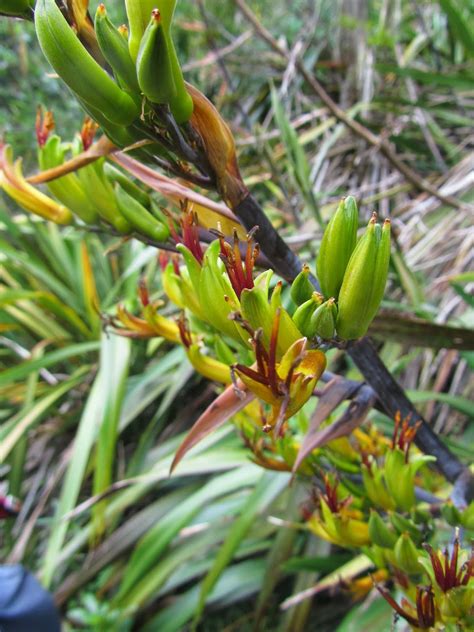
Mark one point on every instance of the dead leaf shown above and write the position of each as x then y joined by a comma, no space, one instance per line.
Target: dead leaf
335,392
216,414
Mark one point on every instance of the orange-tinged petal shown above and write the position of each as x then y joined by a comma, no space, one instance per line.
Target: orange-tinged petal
25,195
134,324
162,326
313,364
260,390
209,367
289,358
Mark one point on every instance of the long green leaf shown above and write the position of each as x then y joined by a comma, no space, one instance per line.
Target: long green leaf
157,539
459,25
85,437
270,485
25,368
114,365
14,429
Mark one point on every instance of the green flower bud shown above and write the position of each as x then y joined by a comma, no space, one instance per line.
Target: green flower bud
379,533
67,189
451,514
404,525
406,555
364,281
114,47
399,478
114,176
138,216
324,319
467,517
457,605
302,289
375,487
17,8
302,316
338,242
260,313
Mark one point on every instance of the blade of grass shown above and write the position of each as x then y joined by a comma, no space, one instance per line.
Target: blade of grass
85,437
114,365
157,539
25,368
15,428
269,486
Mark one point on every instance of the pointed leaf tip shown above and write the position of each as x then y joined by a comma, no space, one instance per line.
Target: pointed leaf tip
216,414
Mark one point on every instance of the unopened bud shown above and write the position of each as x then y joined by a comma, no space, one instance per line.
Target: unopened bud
324,319
302,289
302,316
406,555
338,242
364,281
379,533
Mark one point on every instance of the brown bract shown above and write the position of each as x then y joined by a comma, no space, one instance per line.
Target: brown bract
219,144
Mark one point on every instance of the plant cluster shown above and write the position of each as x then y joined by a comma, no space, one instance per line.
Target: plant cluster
213,297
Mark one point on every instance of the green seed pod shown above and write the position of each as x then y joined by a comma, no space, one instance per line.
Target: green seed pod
17,8
159,73
404,525
406,555
101,195
400,479
379,533
337,245
81,73
114,175
364,281
139,217
67,189
302,316
302,289
154,70
115,50
138,14
323,321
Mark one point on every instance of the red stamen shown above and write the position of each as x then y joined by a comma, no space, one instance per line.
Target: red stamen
189,232
89,128
240,274
366,460
448,577
398,609
43,125
143,292
175,262
163,259
253,375
260,353
404,433
184,332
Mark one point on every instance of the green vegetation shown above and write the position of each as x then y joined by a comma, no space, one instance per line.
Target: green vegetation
125,315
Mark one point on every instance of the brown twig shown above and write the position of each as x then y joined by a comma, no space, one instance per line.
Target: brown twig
362,131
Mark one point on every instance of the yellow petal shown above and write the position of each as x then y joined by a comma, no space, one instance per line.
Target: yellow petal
209,367
162,326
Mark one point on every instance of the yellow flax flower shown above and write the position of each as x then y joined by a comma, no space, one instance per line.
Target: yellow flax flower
285,385
152,325
336,522
24,194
